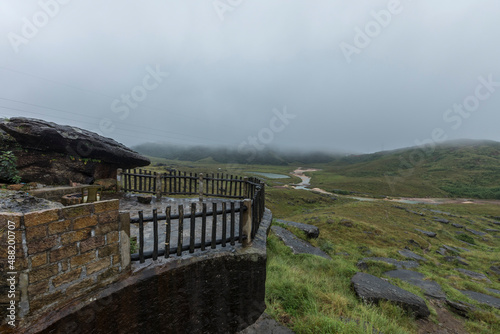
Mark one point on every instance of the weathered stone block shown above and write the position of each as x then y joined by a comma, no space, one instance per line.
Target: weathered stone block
41,273
91,243
79,288
64,265
42,245
98,265
82,259
108,250
77,210
46,300
59,227
102,206
38,288
36,232
74,236
66,277
108,274
102,229
109,218
63,252
41,217
38,260
112,237
84,222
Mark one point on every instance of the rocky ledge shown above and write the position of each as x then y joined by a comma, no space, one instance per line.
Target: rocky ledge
57,154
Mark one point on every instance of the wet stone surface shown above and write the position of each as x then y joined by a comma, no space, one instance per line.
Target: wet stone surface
474,275
266,324
475,232
372,289
482,298
394,262
22,202
410,255
427,233
310,230
430,288
297,245
186,226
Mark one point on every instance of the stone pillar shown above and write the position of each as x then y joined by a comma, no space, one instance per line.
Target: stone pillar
119,181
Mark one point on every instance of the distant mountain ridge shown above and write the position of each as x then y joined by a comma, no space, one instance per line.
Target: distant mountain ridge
463,168
231,155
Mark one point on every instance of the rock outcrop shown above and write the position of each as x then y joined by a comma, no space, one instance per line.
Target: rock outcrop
297,245
311,231
372,289
56,154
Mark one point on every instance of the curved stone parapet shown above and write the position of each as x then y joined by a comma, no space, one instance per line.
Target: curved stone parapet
216,291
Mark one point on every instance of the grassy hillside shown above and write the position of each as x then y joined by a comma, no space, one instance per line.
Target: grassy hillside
314,295
470,169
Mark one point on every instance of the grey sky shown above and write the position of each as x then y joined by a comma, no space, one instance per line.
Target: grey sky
227,76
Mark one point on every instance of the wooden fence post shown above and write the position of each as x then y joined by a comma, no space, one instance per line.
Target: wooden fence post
158,186
247,223
119,180
200,186
245,187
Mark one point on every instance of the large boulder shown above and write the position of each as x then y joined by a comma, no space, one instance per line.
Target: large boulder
56,154
372,289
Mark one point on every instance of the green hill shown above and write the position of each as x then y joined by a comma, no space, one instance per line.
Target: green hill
453,169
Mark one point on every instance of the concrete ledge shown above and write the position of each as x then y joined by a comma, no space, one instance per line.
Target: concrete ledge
55,194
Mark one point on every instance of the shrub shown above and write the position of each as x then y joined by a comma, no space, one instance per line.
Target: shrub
8,169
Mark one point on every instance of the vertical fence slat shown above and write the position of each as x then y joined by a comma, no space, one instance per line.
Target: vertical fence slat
141,237
180,234
168,225
241,187
129,180
224,224
185,182
214,225
231,186
233,222
174,180
217,185
240,224
135,180
192,228
203,226
155,234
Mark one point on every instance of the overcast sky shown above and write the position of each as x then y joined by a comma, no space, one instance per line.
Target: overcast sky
358,76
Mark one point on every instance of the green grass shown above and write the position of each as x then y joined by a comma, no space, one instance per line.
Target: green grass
312,295
450,171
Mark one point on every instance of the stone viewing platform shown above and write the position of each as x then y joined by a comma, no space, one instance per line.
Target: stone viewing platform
76,272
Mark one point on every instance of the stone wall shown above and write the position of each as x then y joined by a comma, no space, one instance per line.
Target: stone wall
216,291
62,254
73,275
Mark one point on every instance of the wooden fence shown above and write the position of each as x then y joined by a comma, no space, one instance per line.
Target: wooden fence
235,221
183,183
